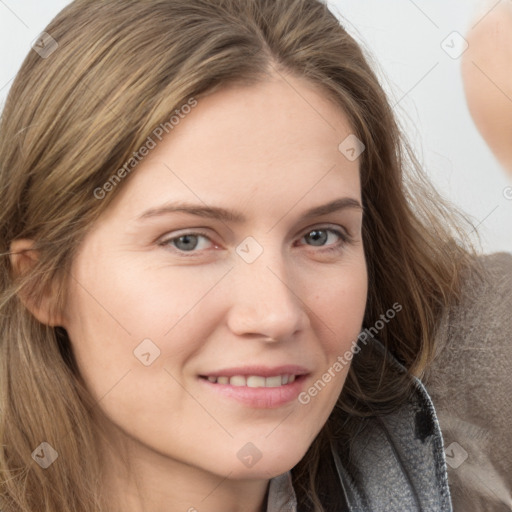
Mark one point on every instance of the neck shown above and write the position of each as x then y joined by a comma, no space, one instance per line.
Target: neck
155,483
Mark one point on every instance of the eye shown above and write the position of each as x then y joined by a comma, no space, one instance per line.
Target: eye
188,242
320,237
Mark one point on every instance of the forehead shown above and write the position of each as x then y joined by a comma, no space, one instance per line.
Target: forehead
275,141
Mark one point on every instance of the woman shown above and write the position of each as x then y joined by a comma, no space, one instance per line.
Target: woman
224,271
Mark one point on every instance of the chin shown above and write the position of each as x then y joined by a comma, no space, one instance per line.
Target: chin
269,459
264,470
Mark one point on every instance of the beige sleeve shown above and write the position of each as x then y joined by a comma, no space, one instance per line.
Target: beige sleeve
470,383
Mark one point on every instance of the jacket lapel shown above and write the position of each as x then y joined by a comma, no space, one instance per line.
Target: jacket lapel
396,462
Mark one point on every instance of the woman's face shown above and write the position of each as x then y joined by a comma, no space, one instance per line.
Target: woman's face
223,256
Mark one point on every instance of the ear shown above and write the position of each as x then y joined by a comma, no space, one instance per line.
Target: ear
23,258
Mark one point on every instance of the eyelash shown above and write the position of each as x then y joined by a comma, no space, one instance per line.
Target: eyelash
345,238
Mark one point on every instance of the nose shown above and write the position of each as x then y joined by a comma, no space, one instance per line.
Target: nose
264,301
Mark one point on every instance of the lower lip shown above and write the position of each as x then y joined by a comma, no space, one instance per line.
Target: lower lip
260,398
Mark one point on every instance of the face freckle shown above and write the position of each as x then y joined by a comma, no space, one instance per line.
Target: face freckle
157,330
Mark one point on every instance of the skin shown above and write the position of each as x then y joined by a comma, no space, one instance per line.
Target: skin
269,152
487,76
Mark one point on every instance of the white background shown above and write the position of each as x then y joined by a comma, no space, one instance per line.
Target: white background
404,37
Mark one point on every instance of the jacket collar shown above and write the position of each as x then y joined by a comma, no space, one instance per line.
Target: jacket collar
281,496
396,462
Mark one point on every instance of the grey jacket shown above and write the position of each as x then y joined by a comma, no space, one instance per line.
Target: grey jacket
399,463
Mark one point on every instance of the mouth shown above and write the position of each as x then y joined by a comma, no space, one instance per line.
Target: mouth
253,381
257,387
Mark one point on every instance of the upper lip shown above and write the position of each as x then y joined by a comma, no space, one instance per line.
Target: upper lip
263,371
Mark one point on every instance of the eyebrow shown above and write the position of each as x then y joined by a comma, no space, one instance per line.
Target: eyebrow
225,215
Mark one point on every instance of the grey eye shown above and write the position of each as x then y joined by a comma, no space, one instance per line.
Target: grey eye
317,237
186,242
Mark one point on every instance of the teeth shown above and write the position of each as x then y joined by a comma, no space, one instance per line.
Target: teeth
254,381
273,382
237,380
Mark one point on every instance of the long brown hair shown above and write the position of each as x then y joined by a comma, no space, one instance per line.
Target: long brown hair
113,72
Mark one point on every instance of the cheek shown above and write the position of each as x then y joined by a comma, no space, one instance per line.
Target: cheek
138,300
341,304
119,312
339,308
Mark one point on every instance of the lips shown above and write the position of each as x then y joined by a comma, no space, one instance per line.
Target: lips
258,386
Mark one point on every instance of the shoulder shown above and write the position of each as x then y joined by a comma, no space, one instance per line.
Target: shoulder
470,385
478,320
